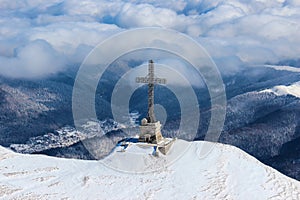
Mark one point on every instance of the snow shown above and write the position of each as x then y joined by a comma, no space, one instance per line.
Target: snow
282,90
226,173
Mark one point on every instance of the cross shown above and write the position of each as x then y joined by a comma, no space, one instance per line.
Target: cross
151,81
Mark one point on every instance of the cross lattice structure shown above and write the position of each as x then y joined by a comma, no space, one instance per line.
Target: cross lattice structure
151,80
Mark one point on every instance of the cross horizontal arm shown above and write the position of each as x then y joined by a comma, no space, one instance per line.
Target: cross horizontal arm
148,80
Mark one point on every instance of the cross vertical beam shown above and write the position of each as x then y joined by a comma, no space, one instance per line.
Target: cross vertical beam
151,116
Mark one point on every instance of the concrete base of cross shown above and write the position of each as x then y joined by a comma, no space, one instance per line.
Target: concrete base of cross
150,132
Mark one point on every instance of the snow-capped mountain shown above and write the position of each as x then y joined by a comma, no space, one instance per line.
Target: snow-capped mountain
225,173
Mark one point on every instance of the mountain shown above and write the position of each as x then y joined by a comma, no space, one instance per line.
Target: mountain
263,112
225,173
264,123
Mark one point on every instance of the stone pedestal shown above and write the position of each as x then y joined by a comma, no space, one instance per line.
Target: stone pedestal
150,132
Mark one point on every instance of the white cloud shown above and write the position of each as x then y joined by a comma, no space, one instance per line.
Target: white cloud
37,59
147,15
65,37
175,5
236,32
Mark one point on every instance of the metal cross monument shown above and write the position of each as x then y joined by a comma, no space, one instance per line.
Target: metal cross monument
151,80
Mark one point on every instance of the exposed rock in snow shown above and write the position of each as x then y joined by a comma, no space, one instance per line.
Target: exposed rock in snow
225,173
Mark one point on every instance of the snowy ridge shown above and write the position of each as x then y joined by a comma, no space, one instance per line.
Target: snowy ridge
281,90
284,68
226,173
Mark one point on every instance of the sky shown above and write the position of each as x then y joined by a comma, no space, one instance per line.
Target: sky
40,38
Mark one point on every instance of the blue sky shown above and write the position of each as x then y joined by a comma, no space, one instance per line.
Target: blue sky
39,38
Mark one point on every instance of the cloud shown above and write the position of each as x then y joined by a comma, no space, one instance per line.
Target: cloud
67,37
38,39
37,59
259,38
236,33
148,15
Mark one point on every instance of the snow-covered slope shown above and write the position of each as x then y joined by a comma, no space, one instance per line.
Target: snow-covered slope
226,173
